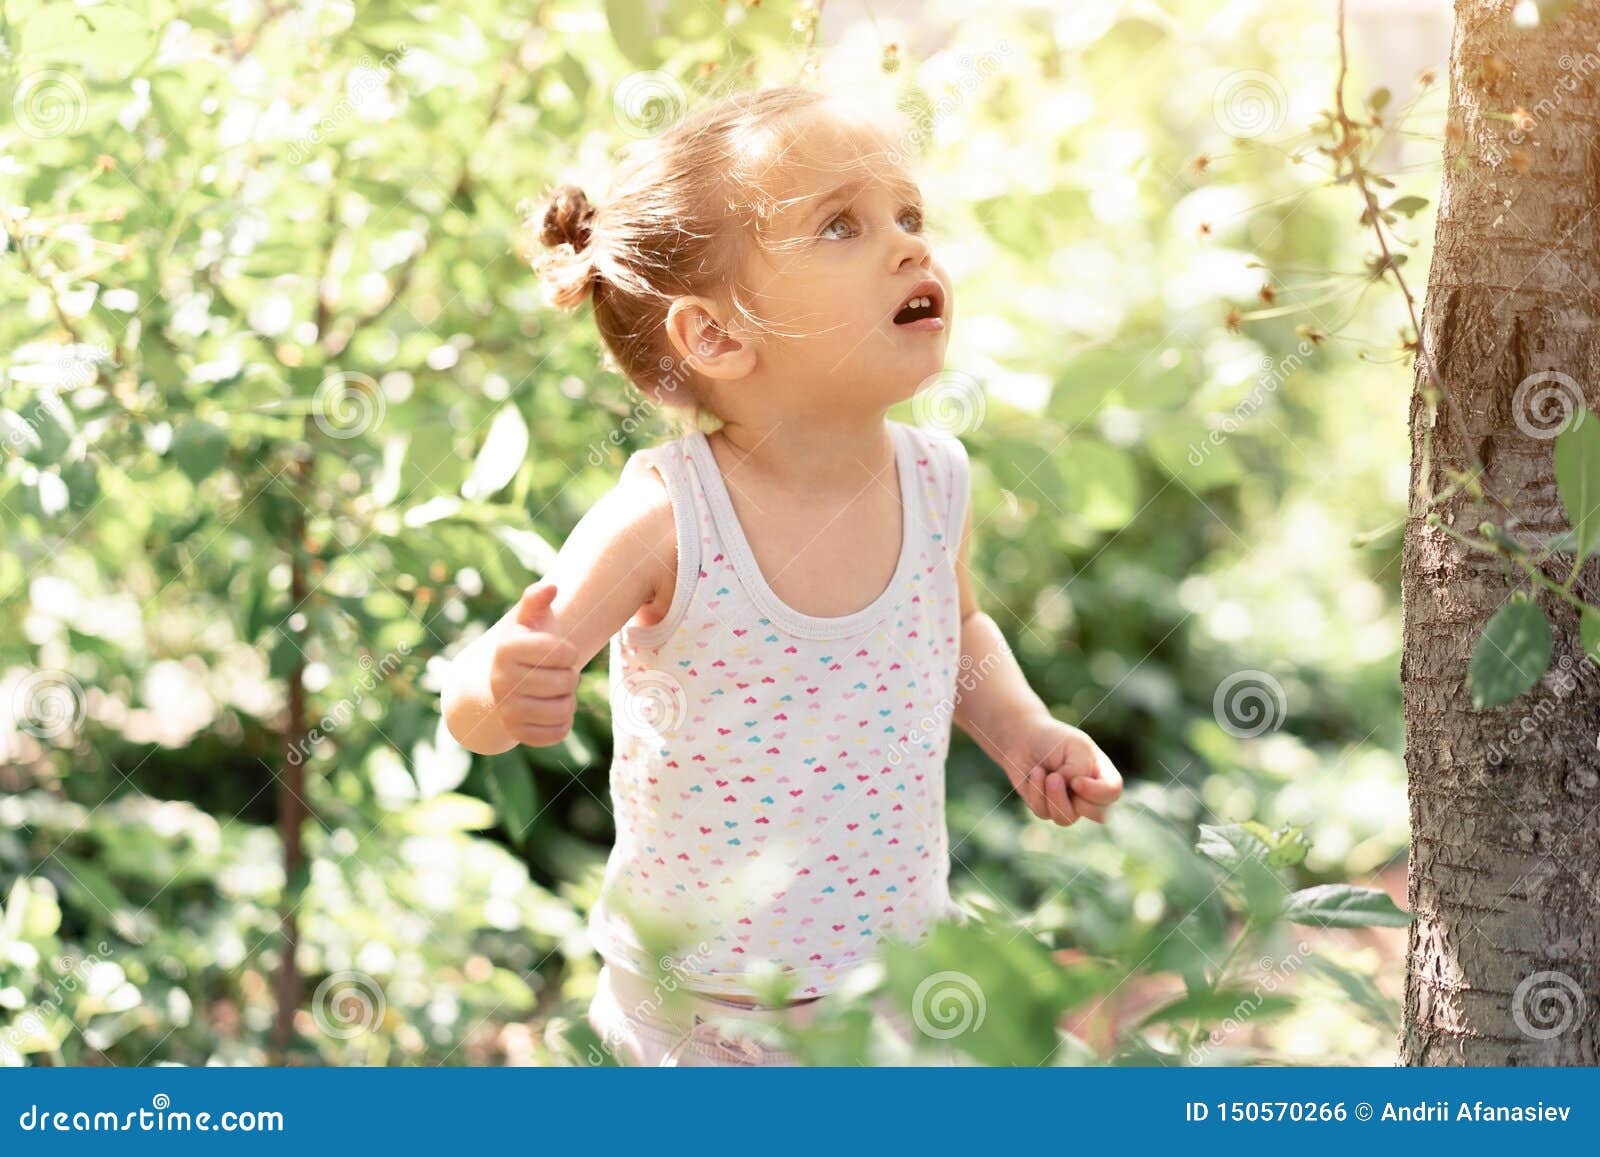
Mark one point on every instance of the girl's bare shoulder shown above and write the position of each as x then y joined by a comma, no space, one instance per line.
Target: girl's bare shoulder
640,508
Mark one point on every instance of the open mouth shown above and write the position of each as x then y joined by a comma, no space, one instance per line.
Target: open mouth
926,301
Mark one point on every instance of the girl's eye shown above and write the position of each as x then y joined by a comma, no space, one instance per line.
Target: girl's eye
909,219
841,219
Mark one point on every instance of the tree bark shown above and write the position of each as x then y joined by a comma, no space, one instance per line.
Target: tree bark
1503,965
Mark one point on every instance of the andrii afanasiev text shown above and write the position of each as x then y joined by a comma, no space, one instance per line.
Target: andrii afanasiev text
1473,1111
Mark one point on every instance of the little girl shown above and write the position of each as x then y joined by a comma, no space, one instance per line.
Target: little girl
787,598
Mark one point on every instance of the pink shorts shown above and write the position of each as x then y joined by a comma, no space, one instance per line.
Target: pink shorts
648,1022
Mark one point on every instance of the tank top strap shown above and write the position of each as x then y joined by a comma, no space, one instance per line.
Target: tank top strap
933,475
942,462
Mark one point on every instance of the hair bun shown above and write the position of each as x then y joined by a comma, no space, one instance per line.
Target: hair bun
568,219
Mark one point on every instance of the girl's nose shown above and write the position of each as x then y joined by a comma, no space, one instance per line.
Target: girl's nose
911,248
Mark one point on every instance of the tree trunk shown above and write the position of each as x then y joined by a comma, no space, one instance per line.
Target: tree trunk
1503,966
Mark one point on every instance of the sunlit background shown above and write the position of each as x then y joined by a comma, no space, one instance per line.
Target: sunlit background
283,407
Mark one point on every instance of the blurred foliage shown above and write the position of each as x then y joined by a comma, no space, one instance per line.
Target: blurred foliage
265,316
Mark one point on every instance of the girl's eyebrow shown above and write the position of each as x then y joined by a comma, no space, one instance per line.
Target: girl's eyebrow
847,190
842,193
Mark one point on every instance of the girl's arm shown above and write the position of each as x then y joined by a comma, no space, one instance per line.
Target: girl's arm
621,556
1060,773
993,698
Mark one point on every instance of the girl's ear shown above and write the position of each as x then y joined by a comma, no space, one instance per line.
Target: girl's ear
704,344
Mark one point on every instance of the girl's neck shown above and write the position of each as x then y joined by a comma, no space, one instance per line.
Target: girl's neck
852,451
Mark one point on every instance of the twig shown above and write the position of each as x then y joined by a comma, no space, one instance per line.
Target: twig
1347,149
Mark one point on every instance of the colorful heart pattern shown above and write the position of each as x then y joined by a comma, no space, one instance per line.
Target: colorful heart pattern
790,808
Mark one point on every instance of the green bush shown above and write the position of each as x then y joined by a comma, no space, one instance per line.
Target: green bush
284,412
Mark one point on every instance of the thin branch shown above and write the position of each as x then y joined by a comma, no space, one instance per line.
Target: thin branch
1346,151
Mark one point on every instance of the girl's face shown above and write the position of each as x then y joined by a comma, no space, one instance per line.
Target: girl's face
841,257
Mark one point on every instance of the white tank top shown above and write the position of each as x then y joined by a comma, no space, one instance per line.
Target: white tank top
778,778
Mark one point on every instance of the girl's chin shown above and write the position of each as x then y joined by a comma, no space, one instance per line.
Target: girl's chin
924,378
926,364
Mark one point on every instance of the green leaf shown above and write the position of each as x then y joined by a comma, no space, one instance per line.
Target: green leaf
1200,457
82,481
1578,478
199,448
1378,100
1379,1010
985,990
530,549
30,911
1410,206
101,37
1289,843
503,451
46,496
1589,632
633,27
1511,654
1251,858
576,78
440,764
94,891
1231,844
21,435
1344,906
1102,484
283,657
511,789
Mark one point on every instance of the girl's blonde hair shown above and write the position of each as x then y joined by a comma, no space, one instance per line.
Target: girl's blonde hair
674,223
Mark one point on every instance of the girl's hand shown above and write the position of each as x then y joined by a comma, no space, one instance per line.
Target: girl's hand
533,675
516,682
1060,773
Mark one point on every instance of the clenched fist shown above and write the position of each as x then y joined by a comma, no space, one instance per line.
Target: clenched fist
533,675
